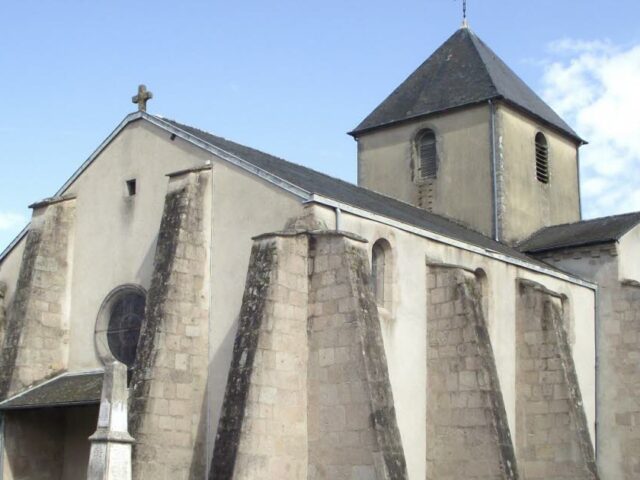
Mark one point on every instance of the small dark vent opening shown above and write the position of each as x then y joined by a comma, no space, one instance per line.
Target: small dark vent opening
131,187
542,158
428,154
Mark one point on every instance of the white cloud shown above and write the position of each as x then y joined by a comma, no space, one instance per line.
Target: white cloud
595,85
11,221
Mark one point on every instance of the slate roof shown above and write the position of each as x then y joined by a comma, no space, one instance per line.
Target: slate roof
66,389
463,71
344,192
583,233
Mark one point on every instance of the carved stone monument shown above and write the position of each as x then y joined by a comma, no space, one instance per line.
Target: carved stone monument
110,457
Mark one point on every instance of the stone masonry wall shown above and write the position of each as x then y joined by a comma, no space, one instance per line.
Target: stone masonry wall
467,431
262,432
308,394
167,401
36,333
353,432
621,353
553,436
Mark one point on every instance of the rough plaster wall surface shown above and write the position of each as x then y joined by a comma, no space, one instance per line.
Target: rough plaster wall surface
34,445
353,431
467,430
36,333
237,197
167,397
387,163
262,433
553,440
122,229
527,204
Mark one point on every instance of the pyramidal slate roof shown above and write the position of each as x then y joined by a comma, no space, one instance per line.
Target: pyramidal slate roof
583,233
463,71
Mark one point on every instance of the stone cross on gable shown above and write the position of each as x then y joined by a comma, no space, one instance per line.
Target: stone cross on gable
142,97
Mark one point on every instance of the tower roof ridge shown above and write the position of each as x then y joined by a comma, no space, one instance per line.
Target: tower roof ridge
463,71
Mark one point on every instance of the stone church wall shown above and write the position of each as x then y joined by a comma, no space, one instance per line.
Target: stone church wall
36,333
552,431
467,431
167,400
618,356
353,431
262,433
620,415
308,394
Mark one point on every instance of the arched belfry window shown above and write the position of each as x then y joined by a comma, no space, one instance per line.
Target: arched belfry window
542,158
119,323
381,272
427,154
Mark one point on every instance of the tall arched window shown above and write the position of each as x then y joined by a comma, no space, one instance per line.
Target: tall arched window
542,158
427,154
381,272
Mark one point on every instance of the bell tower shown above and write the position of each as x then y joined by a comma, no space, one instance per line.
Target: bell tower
464,137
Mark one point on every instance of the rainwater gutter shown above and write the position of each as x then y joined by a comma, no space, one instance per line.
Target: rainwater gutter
338,222
494,171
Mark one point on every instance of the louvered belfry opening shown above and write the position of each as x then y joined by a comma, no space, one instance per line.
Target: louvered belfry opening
428,154
542,158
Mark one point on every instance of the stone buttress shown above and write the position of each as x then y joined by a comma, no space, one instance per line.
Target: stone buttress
552,431
620,352
308,394
35,343
168,385
467,430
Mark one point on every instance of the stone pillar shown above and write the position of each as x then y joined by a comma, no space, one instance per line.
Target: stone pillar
36,335
167,406
468,434
552,431
353,432
110,457
262,432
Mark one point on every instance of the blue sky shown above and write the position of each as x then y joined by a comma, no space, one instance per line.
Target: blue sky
291,77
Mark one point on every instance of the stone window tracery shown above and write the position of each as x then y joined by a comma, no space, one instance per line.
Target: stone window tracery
119,322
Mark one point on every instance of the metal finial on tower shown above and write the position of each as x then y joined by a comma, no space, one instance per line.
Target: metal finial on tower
465,24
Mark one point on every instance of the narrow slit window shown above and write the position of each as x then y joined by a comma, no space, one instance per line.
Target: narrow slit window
131,187
428,154
377,272
542,158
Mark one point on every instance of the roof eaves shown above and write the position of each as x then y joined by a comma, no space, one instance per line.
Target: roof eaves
44,383
361,131
447,240
231,158
566,246
525,111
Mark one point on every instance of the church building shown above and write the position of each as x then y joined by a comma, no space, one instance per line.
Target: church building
451,316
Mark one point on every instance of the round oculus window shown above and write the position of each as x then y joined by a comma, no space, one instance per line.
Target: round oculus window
125,321
119,323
